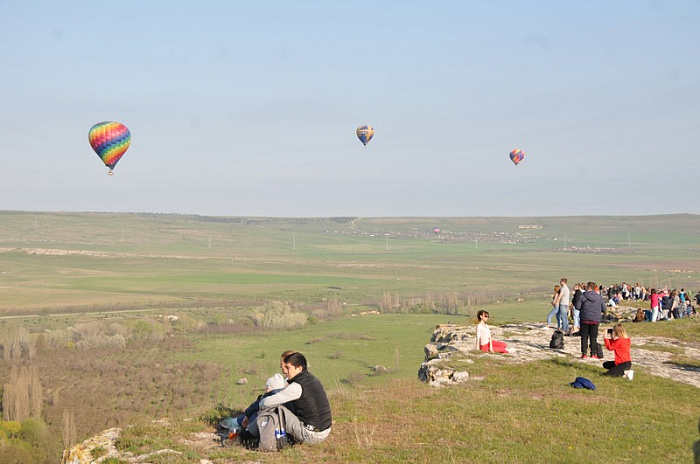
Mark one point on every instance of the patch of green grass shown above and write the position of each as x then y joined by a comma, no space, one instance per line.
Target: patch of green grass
684,362
686,329
139,439
662,348
518,413
149,437
340,336
98,452
392,340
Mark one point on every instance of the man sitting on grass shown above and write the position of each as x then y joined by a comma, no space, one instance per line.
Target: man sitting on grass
309,412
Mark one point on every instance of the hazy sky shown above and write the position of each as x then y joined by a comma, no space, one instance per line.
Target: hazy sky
250,107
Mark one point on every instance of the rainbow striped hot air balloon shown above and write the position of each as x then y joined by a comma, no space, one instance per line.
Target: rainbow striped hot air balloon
110,140
365,134
516,156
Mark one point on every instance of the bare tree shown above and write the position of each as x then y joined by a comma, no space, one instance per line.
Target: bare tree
68,433
22,396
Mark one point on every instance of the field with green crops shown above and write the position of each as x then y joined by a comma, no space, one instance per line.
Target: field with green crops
67,262
130,317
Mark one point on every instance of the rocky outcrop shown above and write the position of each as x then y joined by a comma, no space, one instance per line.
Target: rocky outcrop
623,313
102,448
448,345
438,376
102,445
452,348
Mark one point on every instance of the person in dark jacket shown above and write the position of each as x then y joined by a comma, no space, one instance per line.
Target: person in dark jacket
591,307
575,301
311,420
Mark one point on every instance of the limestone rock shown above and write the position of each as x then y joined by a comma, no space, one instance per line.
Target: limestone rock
82,453
434,373
451,344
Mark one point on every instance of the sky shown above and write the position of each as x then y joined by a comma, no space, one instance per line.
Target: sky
249,108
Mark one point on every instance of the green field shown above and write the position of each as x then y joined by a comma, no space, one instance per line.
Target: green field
138,316
69,262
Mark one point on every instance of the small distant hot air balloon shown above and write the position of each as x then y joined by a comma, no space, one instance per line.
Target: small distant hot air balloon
110,140
436,230
365,134
516,156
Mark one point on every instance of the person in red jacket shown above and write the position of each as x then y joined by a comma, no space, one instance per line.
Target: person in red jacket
617,340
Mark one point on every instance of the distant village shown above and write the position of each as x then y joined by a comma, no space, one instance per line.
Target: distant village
447,236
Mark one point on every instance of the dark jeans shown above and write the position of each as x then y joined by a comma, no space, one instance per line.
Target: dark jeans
616,371
588,330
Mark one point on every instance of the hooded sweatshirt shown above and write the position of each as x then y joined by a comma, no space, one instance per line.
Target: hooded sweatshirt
591,306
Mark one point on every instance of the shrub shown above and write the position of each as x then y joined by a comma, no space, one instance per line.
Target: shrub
249,370
278,315
33,431
214,416
187,323
93,335
118,329
15,454
147,330
355,377
58,339
379,370
11,428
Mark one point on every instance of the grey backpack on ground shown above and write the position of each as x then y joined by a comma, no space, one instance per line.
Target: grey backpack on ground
271,423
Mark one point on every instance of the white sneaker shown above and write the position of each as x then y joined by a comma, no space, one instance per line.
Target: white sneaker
629,374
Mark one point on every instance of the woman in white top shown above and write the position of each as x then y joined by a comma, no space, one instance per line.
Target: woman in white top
483,336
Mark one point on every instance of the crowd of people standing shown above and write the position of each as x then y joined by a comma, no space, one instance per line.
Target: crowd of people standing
588,307
664,304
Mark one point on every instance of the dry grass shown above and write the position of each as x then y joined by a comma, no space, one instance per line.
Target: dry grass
103,389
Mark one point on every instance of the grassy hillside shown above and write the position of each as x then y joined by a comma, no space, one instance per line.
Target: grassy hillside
135,316
514,413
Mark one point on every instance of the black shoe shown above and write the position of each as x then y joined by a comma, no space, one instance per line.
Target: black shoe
248,440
